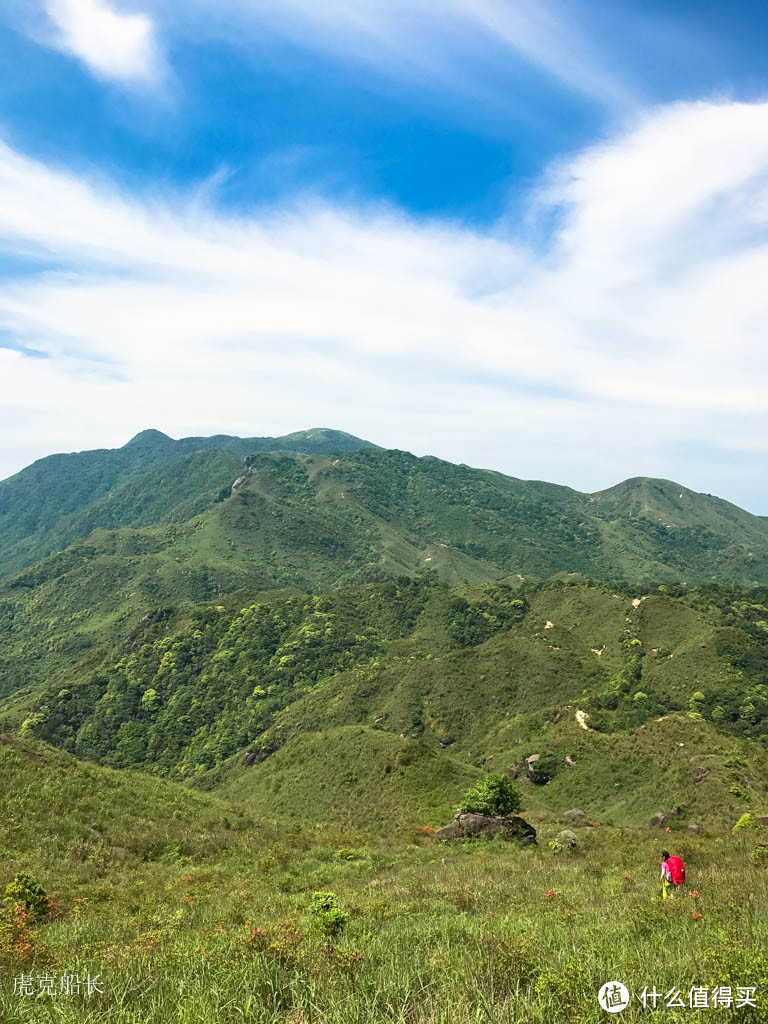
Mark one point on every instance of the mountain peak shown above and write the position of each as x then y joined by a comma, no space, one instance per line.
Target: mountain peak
148,438
329,435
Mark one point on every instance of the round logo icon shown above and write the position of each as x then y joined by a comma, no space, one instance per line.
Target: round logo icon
613,996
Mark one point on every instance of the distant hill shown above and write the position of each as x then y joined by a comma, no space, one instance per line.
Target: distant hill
319,507
58,499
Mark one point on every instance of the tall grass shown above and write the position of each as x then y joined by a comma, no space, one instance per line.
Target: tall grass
463,933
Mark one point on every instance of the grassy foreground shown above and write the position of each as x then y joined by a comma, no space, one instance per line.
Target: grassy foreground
475,931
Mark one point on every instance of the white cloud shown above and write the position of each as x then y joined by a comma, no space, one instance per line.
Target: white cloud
464,46
113,44
633,345
479,51
547,37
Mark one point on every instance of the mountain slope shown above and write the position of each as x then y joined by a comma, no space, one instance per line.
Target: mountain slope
57,499
99,817
351,776
394,696
311,520
479,670
207,527
515,526
675,765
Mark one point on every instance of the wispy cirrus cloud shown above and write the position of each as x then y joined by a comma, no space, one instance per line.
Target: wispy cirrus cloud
460,46
633,342
112,43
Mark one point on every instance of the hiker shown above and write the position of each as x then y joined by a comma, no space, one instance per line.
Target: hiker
672,874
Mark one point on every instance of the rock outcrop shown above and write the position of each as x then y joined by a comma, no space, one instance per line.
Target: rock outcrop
468,825
534,772
575,817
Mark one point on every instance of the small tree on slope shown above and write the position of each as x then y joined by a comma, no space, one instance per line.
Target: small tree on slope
495,795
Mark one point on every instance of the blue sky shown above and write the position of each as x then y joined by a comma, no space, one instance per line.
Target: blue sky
524,235
280,109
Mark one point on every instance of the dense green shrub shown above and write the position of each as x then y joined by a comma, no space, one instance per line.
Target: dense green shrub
547,764
746,821
346,853
24,891
496,608
495,795
327,914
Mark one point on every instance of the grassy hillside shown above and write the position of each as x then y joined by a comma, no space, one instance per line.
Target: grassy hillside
482,675
353,776
673,765
358,777
152,479
66,818
182,909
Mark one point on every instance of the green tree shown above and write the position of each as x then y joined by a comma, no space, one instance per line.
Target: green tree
150,700
495,795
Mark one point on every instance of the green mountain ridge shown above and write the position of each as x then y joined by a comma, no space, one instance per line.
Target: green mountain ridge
375,511
60,498
205,526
